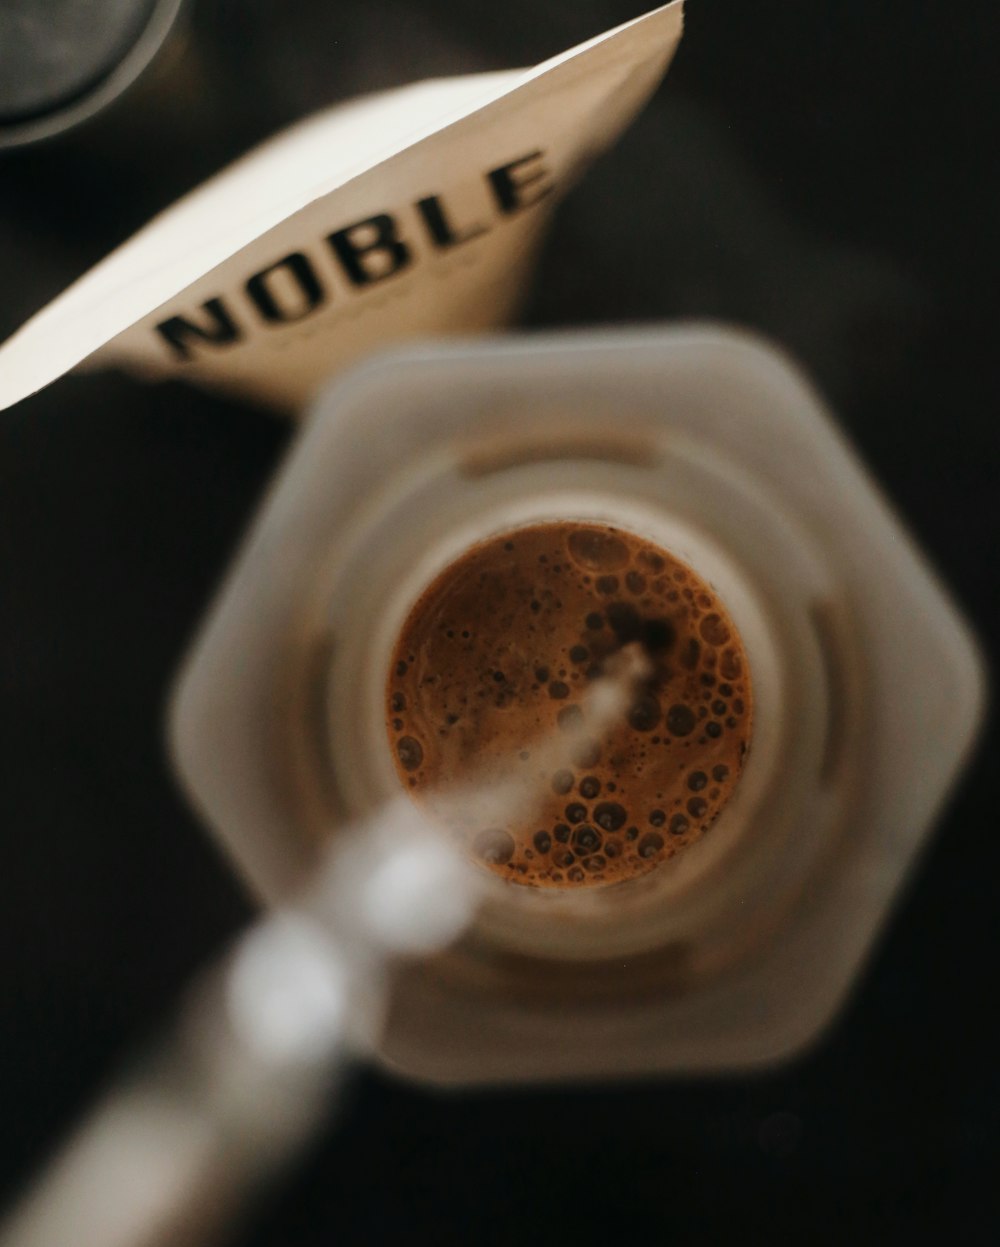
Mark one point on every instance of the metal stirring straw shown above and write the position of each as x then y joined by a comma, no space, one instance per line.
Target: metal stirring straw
253,1061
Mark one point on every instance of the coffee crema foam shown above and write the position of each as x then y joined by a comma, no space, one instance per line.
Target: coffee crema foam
496,657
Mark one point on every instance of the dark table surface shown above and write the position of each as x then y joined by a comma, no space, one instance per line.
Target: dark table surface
822,171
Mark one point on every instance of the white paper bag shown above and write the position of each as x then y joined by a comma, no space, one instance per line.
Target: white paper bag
416,211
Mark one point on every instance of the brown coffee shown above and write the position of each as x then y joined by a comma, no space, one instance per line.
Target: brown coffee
495,658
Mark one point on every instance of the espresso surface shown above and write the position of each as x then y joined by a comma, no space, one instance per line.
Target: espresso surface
496,656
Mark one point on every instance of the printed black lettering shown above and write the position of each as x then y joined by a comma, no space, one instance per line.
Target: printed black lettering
510,181
301,283
443,233
179,333
370,250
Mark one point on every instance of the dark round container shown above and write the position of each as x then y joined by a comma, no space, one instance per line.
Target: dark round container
62,61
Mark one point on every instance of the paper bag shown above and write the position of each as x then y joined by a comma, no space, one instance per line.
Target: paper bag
412,212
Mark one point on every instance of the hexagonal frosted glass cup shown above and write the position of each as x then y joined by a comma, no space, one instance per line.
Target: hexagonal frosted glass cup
867,688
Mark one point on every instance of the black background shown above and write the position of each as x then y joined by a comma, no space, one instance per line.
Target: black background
821,170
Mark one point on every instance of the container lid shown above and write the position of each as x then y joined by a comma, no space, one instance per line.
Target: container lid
779,937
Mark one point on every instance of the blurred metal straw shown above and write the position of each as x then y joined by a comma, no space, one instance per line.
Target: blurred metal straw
251,1064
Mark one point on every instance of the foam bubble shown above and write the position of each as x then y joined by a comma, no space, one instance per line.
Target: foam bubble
562,782
644,713
597,549
495,846
650,844
610,815
410,753
586,839
680,719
